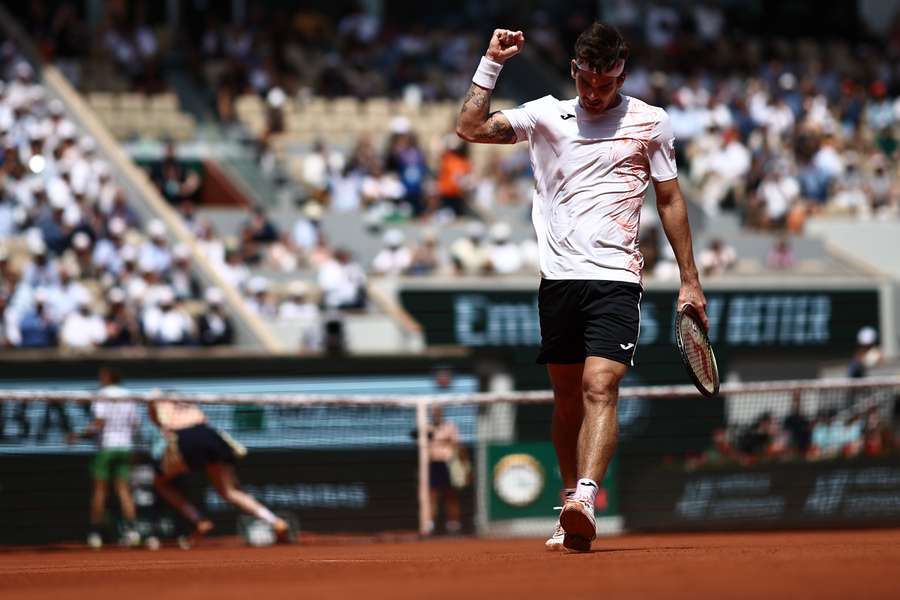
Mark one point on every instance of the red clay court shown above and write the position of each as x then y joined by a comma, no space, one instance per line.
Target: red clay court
838,564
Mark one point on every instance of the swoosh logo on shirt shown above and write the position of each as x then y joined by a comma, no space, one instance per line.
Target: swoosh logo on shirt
626,346
566,116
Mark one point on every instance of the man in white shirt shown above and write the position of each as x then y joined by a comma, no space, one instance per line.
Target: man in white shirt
83,328
114,426
593,158
395,257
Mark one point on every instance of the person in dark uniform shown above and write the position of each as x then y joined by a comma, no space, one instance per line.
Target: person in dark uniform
193,446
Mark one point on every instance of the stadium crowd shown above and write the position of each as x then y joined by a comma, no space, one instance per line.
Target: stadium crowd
772,130
829,434
78,267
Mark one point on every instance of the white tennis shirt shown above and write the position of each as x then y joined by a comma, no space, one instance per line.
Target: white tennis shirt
591,174
120,419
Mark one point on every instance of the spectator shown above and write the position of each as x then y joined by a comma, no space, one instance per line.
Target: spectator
155,254
877,436
40,271
297,304
343,282
82,328
798,427
214,324
505,257
395,258
426,257
407,160
260,228
827,436
866,355
260,301
469,254
307,229
453,180
37,329
781,256
183,283
122,327
166,324
443,446
718,258
175,182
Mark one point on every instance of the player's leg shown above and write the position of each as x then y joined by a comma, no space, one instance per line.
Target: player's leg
99,476
562,350
596,446
454,512
122,486
163,485
224,479
568,413
611,314
98,509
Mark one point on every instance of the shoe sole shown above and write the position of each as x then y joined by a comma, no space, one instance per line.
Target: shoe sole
575,522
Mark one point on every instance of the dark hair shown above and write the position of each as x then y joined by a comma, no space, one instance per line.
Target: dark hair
600,46
111,373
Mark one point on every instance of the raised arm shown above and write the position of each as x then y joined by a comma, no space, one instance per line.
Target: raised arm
476,122
674,218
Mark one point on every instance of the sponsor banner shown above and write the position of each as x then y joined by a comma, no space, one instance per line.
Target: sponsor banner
824,494
769,319
524,482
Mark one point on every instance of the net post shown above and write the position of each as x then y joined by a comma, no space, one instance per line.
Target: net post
424,484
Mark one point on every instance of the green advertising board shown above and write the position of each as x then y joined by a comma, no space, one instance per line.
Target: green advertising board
524,482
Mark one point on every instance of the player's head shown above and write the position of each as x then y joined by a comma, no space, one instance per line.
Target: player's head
109,375
599,66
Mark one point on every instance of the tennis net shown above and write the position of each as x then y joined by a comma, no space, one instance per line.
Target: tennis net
765,454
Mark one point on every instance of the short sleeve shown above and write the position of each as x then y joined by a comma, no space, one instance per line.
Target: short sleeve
99,410
661,150
524,118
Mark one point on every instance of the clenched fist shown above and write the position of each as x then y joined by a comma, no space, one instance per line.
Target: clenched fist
504,45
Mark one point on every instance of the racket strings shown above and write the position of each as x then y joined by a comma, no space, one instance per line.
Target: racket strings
699,353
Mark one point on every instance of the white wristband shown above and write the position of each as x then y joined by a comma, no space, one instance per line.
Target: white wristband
487,73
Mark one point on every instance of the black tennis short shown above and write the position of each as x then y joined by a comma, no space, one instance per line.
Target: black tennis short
583,317
201,445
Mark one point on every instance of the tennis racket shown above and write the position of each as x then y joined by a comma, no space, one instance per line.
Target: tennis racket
696,351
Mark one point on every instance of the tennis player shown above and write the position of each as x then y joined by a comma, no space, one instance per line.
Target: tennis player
193,446
593,157
115,423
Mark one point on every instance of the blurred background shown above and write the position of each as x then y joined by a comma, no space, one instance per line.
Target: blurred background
269,197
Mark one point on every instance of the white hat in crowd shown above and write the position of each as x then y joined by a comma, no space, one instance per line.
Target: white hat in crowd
257,284
116,295
214,295
866,336
156,229
501,231
393,238
298,288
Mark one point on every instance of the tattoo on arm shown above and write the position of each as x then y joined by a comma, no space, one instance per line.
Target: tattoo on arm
499,132
482,126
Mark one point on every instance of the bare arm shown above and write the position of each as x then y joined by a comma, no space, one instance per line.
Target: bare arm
476,122
673,215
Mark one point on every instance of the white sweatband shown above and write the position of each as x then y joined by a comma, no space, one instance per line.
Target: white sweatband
487,73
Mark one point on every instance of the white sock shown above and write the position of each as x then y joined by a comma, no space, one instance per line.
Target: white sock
587,490
266,515
566,494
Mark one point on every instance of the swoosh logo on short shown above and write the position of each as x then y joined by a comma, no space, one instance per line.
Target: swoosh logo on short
626,346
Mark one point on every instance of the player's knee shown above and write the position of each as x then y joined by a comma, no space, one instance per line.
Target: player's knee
600,391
